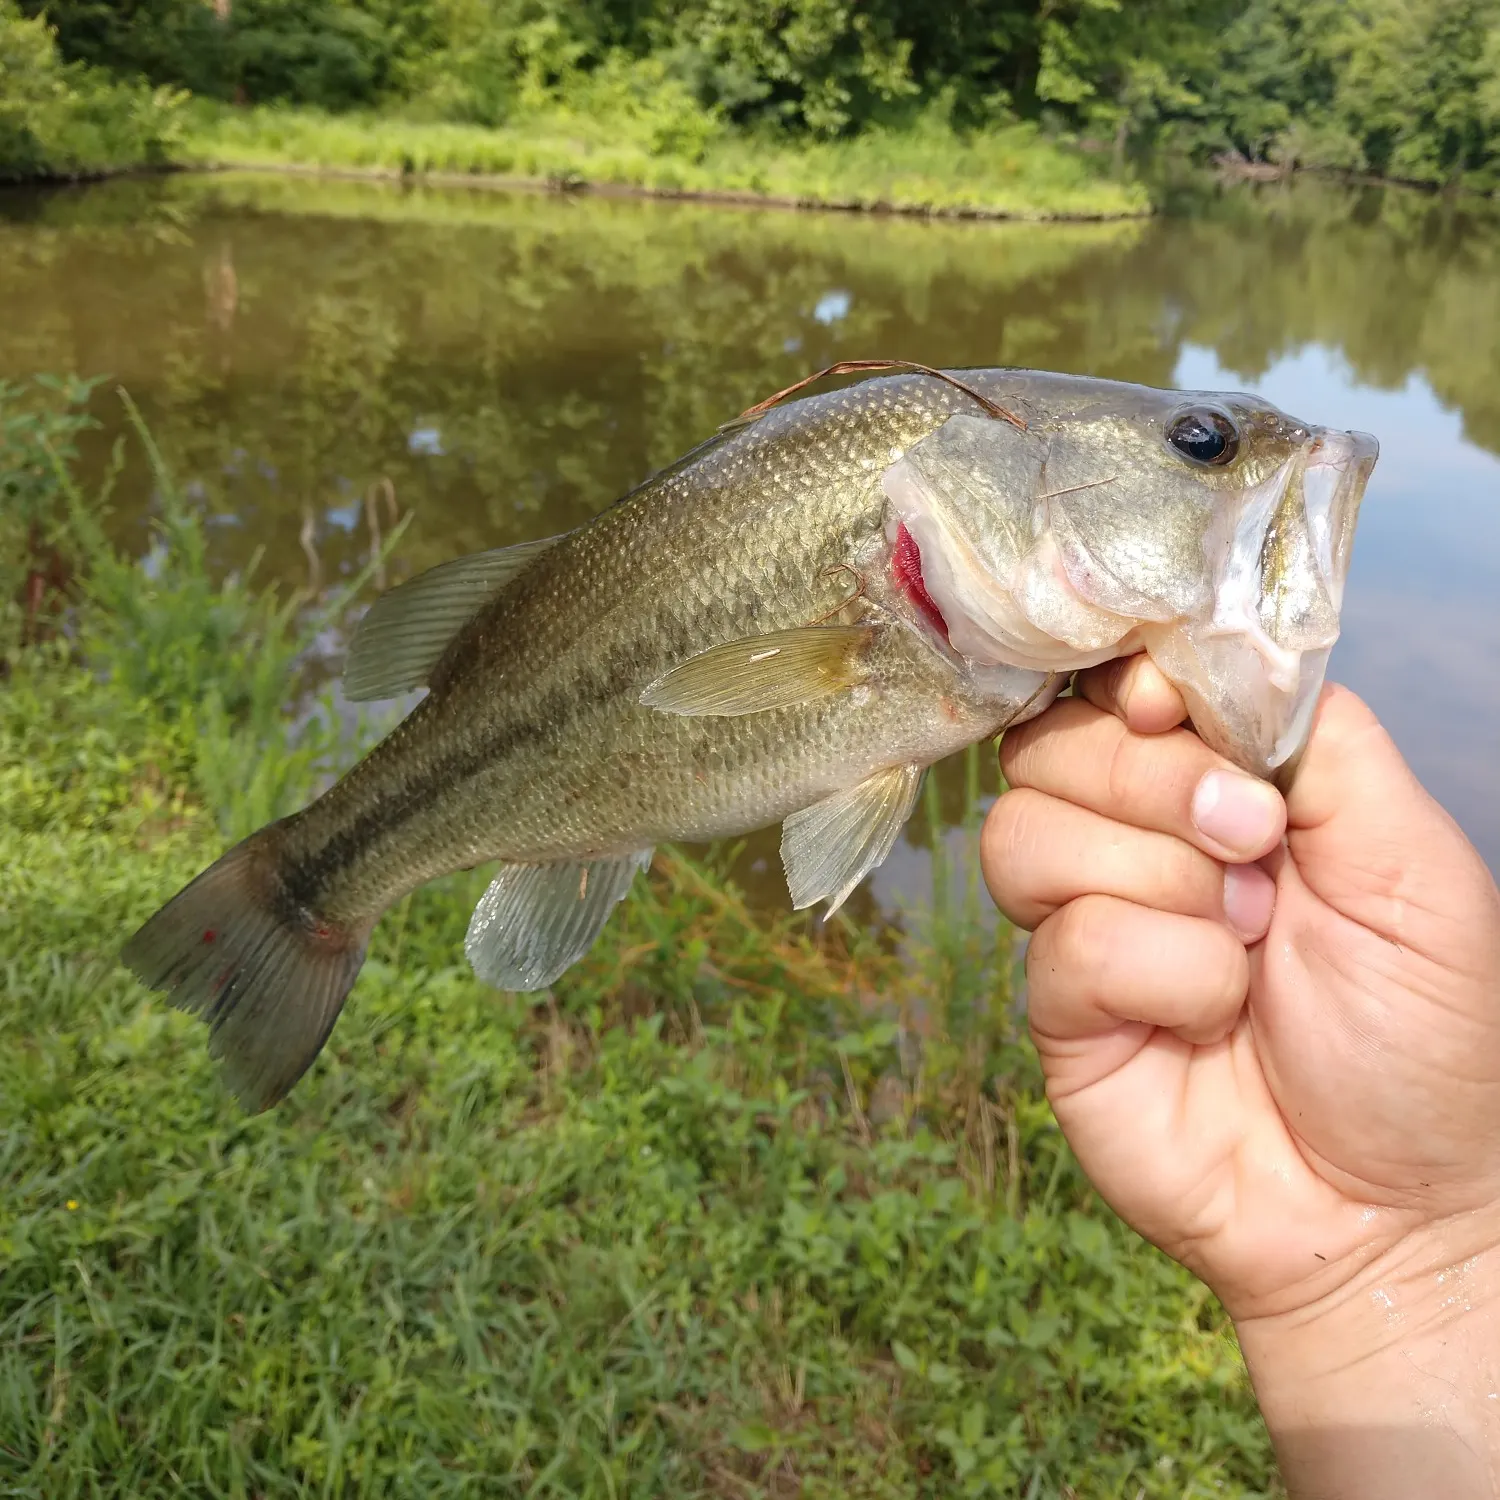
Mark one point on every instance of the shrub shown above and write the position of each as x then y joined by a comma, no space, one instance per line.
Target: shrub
68,120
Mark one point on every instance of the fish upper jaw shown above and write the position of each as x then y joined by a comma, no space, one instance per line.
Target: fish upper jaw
1338,467
1253,671
1250,653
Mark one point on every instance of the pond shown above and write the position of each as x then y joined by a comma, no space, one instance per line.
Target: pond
317,357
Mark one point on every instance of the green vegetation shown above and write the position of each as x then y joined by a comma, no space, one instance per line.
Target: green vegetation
1408,89
67,120
703,95
1010,172
736,1210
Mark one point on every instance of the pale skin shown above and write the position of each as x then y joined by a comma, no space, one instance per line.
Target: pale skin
1270,1030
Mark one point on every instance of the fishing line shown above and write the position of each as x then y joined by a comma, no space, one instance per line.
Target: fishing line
859,366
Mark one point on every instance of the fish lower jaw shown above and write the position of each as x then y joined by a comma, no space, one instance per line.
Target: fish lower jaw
1283,667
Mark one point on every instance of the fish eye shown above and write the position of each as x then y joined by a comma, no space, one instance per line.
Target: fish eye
1204,435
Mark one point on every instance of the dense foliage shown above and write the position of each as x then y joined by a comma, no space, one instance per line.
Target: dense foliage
724,1214
1410,88
70,120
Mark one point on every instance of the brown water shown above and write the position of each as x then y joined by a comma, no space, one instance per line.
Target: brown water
316,357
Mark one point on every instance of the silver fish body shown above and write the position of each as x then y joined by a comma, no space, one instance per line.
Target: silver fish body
789,624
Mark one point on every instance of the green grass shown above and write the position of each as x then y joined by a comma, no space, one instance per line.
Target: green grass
733,1211
1012,172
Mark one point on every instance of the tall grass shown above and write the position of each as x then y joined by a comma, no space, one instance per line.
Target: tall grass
1013,171
653,1232
225,657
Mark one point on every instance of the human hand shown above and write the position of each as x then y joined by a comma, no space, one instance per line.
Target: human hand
1279,1059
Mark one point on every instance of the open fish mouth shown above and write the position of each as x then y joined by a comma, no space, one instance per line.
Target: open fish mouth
1252,672
1243,626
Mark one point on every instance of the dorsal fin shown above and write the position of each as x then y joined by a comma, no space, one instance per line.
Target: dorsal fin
405,631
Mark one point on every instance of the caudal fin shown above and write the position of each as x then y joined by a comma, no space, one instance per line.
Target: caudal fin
267,977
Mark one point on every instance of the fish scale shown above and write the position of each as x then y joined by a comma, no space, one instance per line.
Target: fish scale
789,624
737,544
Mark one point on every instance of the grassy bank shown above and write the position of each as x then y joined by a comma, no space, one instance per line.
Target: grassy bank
730,1212
1010,172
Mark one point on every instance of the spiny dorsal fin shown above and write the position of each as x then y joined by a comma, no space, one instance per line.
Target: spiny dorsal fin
406,630
828,848
774,670
534,921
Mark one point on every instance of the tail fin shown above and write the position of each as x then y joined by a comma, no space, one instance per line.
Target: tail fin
267,977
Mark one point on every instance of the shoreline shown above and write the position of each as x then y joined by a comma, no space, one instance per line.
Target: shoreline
1247,174
735,197
1012,173
581,187
1242,170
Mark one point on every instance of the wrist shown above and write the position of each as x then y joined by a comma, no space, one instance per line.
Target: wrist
1390,1385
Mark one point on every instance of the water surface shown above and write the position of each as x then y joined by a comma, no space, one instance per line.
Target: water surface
317,357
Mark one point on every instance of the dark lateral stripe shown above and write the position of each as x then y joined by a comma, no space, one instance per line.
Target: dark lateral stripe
305,883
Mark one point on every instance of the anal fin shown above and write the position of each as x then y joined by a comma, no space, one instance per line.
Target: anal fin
828,848
406,630
535,921
775,670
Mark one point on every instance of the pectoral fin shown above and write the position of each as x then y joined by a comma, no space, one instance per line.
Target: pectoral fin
535,921
774,670
828,848
405,631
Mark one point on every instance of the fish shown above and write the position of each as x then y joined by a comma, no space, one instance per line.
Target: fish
789,624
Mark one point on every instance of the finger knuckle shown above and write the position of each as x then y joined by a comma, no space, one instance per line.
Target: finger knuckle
1154,775
1008,843
1015,750
1084,938
1186,880
1114,685
1211,974
1122,771
1231,978
1050,979
1049,748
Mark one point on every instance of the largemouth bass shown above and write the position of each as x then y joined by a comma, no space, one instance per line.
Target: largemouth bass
789,624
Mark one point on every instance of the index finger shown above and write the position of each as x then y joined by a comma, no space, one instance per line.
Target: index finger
1133,689
1169,782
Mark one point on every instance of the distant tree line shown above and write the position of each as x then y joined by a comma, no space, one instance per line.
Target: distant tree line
1405,88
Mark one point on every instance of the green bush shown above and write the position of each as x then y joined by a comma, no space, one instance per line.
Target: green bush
68,120
1410,88
1407,88
319,52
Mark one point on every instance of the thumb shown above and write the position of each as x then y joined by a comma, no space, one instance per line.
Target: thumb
1371,842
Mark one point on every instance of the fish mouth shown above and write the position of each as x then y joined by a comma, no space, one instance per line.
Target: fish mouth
1258,613
1253,671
